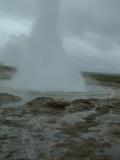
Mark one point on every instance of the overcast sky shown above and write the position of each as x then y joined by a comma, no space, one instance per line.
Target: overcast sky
91,27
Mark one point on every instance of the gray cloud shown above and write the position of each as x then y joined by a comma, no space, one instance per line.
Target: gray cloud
100,18
94,15
19,8
96,27
91,27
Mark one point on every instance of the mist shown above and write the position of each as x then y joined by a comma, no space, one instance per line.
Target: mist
40,57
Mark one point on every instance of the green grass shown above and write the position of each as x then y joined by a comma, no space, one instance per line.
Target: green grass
102,77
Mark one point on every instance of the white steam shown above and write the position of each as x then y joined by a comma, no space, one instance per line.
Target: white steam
40,58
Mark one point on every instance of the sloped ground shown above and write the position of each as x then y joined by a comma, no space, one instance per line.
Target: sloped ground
55,129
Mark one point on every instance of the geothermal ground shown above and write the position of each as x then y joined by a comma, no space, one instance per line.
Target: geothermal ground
60,126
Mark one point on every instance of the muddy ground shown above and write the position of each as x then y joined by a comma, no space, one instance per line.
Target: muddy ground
57,129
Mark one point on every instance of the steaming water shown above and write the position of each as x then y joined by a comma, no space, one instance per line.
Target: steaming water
94,91
43,65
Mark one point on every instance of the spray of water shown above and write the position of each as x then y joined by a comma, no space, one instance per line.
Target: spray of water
44,65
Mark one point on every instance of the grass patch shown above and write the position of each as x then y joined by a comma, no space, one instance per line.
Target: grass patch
102,77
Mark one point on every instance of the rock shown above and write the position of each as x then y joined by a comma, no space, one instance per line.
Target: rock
81,105
102,110
47,102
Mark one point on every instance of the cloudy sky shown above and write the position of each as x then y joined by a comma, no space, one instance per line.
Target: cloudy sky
91,29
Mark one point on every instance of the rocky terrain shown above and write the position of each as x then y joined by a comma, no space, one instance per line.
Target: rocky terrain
54,128
57,129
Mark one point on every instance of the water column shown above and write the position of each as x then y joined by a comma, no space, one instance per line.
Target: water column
44,66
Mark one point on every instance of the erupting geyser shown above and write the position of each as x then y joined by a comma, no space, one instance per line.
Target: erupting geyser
44,64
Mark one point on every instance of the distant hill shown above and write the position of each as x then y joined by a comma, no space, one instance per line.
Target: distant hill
104,78
6,72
